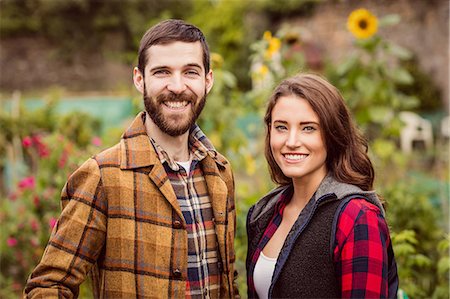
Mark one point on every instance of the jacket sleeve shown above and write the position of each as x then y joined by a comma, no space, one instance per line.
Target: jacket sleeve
362,251
76,240
233,266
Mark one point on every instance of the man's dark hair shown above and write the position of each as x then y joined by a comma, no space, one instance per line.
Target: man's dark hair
169,31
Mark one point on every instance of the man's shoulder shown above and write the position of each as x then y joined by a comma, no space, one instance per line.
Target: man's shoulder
109,156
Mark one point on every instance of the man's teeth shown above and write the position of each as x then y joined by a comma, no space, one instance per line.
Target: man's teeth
176,104
295,156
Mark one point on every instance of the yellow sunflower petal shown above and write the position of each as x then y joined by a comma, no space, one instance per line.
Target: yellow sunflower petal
362,23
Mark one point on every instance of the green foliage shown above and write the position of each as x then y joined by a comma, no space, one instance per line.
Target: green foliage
287,7
424,88
30,210
228,34
374,79
83,25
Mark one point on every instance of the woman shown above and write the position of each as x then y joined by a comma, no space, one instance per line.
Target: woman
322,232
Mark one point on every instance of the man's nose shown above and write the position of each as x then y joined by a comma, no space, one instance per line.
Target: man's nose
176,84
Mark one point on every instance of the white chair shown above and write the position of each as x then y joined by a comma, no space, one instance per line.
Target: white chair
415,128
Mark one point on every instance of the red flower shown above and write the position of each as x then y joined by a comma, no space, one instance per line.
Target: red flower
96,141
11,242
52,222
36,201
34,225
27,183
27,141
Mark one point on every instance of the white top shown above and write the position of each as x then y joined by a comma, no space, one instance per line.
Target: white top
186,165
262,276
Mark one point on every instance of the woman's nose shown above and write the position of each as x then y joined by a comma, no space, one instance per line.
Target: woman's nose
293,140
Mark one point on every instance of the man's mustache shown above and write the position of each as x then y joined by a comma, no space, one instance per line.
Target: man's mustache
170,96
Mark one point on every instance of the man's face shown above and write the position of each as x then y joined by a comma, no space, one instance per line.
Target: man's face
175,85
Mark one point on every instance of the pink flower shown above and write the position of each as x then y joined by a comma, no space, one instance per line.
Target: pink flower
11,242
52,222
36,201
34,242
34,225
43,151
96,141
13,196
27,142
27,183
63,159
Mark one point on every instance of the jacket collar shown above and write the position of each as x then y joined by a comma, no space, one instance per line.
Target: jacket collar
329,186
136,150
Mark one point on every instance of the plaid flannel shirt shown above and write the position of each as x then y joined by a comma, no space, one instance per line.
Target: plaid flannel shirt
360,254
203,279
121,223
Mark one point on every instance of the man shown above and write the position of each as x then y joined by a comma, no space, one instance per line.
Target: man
153,216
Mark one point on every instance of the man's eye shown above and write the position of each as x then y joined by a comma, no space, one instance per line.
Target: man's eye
192,73
160,72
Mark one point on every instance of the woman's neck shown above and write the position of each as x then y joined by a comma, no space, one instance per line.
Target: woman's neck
304,189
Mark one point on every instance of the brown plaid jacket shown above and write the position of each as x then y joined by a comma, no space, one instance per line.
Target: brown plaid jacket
121,224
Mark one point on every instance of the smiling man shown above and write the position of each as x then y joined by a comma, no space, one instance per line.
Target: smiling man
153,216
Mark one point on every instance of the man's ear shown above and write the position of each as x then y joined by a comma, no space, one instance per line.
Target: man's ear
209,81
138,79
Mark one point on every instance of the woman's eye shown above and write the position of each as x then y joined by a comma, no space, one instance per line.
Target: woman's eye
280,128
309,128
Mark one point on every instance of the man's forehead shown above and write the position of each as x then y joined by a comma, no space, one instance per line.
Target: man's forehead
175,53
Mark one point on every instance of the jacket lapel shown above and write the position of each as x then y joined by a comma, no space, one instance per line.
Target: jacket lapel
137,152
217,190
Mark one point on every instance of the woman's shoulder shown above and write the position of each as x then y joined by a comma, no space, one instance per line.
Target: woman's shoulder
267,202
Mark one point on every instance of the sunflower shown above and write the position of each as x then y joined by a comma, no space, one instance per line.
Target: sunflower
362,23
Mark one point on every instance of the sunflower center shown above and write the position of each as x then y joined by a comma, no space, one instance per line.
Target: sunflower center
362,24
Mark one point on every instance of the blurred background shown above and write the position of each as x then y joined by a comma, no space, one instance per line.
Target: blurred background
66,93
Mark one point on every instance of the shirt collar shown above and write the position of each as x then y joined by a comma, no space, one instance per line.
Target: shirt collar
199,147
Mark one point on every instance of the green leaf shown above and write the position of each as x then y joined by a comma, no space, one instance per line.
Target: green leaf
380,114
401,76
348,64
398,51
389,20
385,149
443,265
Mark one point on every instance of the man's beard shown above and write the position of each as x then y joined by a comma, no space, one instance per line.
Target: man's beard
175,124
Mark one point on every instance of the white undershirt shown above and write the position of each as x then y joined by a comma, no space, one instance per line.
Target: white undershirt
186,165
262,275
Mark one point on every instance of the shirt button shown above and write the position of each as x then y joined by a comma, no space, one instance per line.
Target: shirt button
177,273
177,224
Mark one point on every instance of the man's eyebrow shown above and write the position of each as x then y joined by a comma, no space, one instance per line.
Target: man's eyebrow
194,65
158,67
164,67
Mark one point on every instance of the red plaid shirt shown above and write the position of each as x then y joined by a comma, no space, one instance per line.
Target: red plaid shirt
360,254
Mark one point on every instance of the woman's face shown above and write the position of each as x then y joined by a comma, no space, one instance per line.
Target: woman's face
296,140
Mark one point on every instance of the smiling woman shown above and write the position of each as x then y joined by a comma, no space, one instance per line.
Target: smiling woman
302,235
